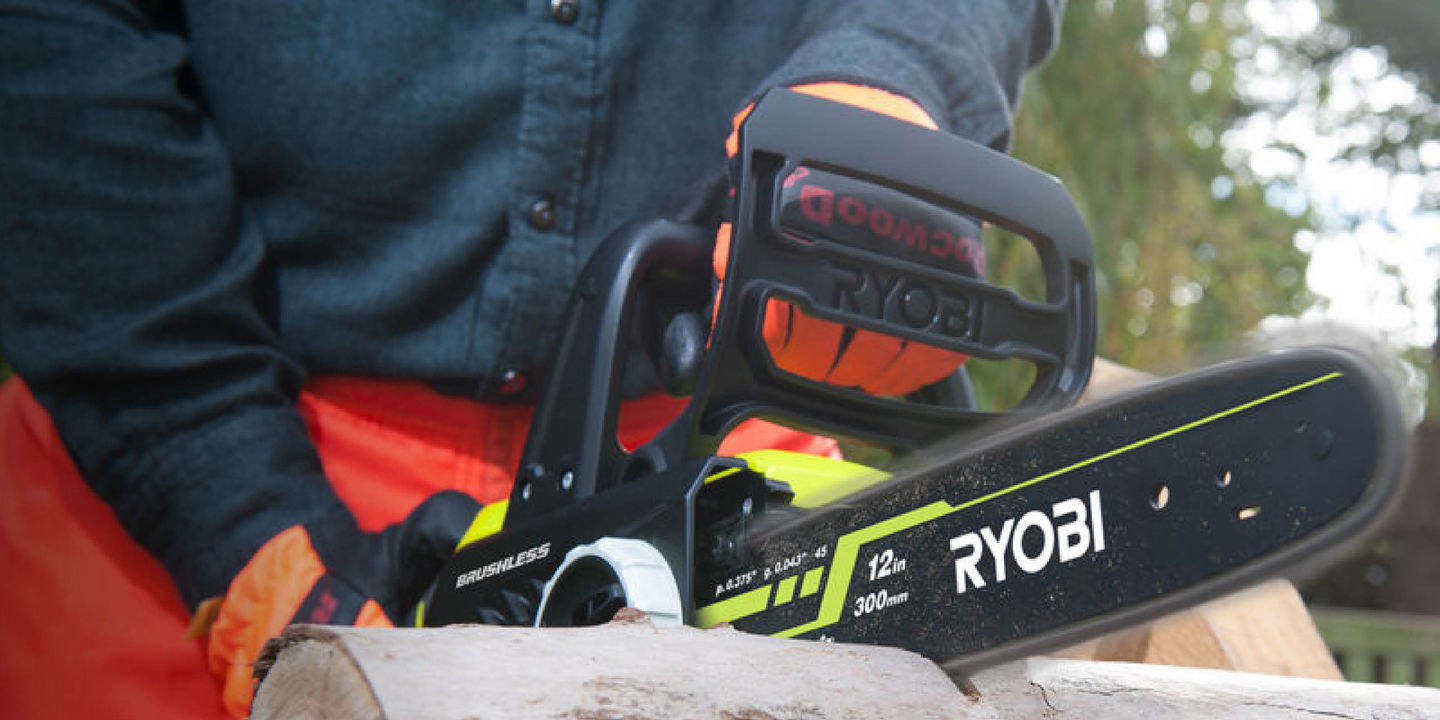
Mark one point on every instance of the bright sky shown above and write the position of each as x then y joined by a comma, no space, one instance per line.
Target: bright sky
1375,261
1375,254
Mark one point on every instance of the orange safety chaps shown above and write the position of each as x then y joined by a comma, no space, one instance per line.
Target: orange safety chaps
90,623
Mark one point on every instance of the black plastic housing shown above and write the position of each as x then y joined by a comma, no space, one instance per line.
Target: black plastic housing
662,269
789,131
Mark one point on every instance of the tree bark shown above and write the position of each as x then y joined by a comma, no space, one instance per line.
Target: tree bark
625,670
631,670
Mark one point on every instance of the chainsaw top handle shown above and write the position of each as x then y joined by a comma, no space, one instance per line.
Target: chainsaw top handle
654,278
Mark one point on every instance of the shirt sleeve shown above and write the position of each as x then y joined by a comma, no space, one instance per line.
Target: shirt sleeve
128,294
961,61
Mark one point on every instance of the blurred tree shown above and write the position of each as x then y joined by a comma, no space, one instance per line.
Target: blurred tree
1198,138
1213,146
1407,29
1129,114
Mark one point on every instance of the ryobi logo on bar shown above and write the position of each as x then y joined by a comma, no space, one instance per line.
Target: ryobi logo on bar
1083,531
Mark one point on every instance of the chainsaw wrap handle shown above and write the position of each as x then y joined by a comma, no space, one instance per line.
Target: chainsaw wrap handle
894,294
646,272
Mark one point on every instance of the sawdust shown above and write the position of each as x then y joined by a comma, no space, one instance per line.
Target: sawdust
747,714
630,616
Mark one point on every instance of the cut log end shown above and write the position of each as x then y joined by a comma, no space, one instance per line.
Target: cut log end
310,676
293,635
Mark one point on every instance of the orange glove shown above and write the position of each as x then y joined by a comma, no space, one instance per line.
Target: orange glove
830,352
330,572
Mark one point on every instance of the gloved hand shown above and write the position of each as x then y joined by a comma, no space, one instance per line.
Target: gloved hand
827,351
331,572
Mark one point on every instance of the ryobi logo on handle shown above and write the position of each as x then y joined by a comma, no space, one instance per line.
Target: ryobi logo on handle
1083,531
824,207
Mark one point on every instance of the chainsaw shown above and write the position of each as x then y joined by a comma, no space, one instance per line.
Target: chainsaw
996,533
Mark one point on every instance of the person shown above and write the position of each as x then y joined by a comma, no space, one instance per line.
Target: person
277,278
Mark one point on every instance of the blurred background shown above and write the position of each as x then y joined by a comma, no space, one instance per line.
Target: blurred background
1252,170
1246,166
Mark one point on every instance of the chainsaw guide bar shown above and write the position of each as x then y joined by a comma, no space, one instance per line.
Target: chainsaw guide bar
1088,520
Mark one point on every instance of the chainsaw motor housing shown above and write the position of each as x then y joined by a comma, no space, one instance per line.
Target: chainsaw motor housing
577,488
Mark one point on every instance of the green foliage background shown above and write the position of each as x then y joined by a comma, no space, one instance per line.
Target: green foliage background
1116,126
1192,248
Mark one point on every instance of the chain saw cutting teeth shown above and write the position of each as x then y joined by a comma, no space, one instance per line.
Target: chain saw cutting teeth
1011,532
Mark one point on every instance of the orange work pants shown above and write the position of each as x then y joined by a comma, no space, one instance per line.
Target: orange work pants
91,625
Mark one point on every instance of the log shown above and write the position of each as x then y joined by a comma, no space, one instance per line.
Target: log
632,670
625,670
1265,629
1111,378
1062,688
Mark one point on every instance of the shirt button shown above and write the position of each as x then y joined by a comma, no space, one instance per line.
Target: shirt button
542,214
564,11
512,382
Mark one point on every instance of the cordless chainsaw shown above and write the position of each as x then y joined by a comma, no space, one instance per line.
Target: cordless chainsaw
998,533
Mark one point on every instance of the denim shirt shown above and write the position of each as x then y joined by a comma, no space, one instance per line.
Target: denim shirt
202,201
